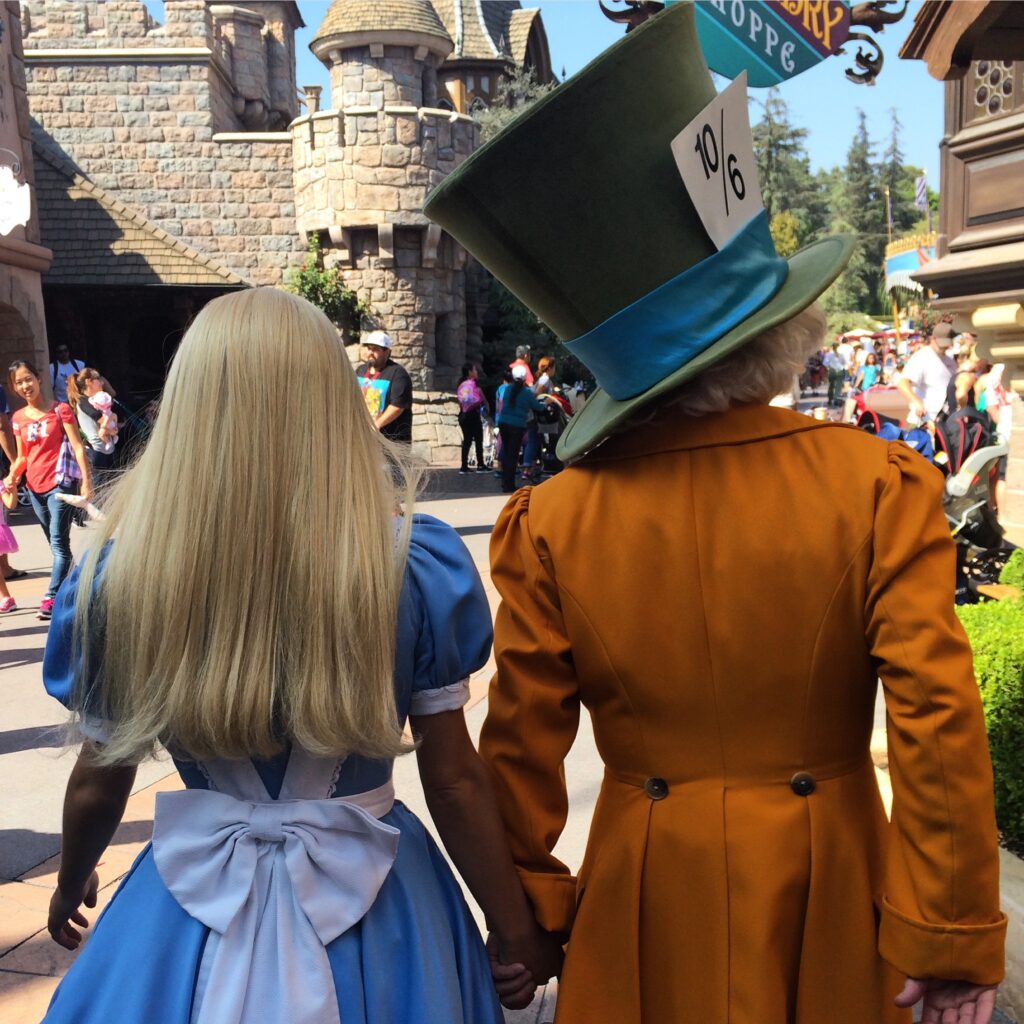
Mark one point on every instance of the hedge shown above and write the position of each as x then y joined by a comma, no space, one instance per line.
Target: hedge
996,632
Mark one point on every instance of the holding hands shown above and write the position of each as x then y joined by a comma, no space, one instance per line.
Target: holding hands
520,964
949,1002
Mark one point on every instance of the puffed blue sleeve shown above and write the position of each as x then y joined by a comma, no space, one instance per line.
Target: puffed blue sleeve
455,634
62,663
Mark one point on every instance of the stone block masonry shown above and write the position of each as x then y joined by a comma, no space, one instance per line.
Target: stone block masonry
144,128
361,177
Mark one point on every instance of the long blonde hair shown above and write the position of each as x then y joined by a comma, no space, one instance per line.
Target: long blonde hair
250,595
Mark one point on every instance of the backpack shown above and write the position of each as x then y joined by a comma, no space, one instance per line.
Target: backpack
889,429
959,433
77,366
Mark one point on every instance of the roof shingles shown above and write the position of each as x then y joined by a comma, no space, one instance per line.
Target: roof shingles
98,240
345,16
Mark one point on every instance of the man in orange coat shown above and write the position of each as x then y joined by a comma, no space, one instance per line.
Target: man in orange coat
721,584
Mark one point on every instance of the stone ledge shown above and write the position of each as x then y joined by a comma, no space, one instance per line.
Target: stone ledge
252,137
117,54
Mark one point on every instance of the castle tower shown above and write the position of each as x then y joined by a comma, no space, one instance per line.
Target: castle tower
364,167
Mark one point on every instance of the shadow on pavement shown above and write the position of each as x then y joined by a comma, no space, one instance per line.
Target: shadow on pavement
32,738
21,656
21,848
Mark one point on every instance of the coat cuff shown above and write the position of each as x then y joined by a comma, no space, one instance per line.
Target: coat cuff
553,898
962,952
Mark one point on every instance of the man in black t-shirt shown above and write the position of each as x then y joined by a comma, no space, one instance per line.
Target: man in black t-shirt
387,388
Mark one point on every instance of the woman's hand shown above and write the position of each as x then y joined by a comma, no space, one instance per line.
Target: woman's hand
539,951
64,910
513,982
949,1002
85,489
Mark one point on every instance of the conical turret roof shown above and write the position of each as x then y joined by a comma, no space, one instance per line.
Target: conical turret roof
353,22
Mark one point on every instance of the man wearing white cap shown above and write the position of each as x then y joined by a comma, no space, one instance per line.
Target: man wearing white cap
387,388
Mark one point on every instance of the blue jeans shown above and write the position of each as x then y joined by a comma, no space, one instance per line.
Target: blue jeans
55,518
531,449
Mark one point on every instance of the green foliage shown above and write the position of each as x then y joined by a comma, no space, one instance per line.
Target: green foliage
784,170
842,320
996,632
326,290
899,178
515,92
858,204
785,231
1013,575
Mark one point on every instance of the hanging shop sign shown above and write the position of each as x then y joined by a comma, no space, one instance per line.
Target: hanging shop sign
772,40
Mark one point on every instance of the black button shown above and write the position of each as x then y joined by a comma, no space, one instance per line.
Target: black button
803,784
656,789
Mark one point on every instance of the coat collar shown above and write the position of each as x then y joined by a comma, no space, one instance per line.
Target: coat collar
665,432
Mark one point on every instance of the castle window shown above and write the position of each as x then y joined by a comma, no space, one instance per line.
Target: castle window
478,105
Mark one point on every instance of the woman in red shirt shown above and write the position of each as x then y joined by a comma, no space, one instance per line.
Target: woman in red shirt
39,430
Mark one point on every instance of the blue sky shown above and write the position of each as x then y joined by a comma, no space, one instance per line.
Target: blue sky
821,100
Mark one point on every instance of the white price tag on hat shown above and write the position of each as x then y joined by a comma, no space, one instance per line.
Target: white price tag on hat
715,156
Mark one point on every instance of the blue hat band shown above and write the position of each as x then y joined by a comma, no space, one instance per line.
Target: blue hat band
685,315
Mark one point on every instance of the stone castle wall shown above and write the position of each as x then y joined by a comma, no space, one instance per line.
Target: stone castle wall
146,129
360,79
361,177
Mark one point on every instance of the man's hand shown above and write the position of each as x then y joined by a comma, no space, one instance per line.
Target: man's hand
949,1002
64,910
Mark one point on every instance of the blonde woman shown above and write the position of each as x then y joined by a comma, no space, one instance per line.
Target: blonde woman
275,648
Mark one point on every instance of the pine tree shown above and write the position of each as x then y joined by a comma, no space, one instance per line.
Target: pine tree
858,206
899,178
784,170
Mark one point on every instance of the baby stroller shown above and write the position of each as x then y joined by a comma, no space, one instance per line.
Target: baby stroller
968,455
550,424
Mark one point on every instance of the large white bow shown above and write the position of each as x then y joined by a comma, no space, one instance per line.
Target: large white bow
275,882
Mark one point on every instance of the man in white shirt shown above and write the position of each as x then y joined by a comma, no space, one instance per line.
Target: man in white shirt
834,364
926,376
62,368
845,351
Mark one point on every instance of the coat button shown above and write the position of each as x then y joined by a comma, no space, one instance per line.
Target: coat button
655,788
803,784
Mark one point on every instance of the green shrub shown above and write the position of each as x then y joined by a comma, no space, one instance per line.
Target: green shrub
326,289
1013,571
996,632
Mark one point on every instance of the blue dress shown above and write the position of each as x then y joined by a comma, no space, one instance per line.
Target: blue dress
413,954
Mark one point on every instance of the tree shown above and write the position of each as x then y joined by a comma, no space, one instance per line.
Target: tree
785,231
784,170
326,290
858,207
517,90
900,179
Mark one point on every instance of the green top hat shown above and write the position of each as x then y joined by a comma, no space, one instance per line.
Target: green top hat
579,209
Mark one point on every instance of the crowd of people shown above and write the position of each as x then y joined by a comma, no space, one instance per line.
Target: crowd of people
935,372
529,414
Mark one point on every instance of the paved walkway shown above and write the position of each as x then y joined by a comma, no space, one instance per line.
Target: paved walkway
35,766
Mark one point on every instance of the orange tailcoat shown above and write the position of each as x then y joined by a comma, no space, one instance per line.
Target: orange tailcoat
722,595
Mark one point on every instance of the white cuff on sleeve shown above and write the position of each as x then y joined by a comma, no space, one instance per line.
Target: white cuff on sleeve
95,729
443,698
